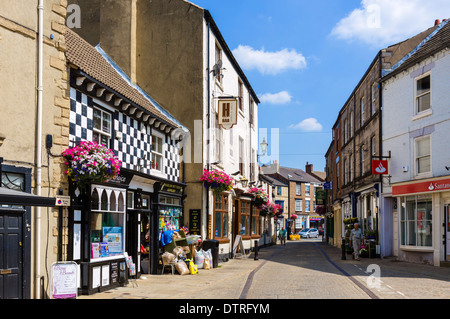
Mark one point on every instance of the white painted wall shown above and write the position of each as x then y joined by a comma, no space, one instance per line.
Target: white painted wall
400,124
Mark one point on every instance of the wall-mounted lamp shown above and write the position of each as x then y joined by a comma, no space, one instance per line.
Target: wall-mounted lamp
244,182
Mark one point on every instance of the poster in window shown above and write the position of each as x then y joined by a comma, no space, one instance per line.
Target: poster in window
114,238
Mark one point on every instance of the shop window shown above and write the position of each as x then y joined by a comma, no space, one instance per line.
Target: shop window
244,225
107,222
416,221
170,213
256,221
221,216
94,200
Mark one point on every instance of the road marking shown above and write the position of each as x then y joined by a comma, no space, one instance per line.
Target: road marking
356,282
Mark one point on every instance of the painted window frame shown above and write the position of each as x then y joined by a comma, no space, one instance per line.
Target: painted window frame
417,96
416,156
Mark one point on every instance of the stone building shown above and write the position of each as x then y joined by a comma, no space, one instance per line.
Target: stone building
357,141
34,130
175,50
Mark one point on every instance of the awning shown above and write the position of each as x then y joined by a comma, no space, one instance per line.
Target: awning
14,197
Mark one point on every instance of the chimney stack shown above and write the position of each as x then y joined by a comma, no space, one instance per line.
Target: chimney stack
275,165
437,22
308,167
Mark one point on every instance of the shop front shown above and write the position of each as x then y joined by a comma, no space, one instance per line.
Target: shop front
117,226
422,234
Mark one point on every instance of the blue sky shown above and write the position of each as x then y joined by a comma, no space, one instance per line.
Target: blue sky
303,58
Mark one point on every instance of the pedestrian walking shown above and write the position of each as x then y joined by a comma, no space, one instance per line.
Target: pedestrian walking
355,238
283,236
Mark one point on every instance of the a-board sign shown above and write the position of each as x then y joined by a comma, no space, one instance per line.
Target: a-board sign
238,245
64,280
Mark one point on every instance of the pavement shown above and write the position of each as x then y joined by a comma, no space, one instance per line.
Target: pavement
304,269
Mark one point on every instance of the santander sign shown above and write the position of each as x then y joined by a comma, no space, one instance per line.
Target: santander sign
422,187
379,167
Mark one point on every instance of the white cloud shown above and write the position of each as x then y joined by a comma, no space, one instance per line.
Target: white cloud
385,22
269,62
282,97
308,125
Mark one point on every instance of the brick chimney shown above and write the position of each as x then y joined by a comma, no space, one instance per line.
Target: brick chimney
308,168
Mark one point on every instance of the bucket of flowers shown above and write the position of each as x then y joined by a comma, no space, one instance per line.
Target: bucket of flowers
216,180
260,196
90,162
363,251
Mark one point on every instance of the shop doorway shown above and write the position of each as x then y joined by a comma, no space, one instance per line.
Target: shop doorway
11,254
447,232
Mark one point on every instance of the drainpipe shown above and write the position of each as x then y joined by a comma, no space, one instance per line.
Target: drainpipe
39,146
209,129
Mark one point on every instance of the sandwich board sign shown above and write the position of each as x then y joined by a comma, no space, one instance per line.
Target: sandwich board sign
64,280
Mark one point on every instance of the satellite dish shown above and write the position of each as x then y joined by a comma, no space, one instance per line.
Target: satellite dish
217,67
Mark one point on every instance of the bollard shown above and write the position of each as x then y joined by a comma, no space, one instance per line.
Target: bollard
256,250
343,249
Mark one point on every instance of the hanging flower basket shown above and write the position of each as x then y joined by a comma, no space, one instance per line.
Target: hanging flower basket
267,209
293,216
217,181
90,162
260,197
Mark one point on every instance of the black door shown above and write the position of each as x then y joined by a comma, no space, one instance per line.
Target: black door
11,255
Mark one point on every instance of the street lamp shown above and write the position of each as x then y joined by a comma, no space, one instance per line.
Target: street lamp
264,146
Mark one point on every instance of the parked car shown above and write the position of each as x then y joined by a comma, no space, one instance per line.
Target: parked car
309,232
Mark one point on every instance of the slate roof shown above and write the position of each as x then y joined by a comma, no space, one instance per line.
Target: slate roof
296,174
436,41
93,62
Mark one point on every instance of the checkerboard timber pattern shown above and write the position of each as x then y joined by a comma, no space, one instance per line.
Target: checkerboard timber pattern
134,146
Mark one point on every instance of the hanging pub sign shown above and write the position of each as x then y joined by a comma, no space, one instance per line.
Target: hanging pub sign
227,113
380,167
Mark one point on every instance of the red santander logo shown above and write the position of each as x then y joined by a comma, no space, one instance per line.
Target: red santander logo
380,167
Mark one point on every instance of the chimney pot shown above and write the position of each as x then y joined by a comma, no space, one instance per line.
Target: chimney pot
437,21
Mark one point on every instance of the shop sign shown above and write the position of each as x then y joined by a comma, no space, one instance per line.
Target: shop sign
64,280
227,113
380,167
194,221
328,185
171,188
124,178
423,187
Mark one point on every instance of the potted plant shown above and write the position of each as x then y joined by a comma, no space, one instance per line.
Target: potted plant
217,180
90,162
